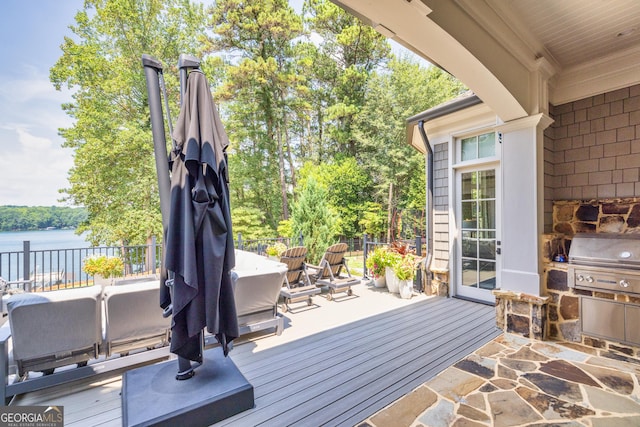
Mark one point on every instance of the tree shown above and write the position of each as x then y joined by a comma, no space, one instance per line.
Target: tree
257,88
347,185
373,220
403,90
355,51
312,218
248,222
114,173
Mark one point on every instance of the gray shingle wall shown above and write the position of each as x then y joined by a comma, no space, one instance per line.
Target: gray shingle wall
441,204
592,151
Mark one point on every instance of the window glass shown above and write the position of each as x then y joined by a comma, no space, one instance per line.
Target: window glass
469,272
470,215
469,186
487,214
487,184
487,275
478,147
469,148
487,249
487,145
469,245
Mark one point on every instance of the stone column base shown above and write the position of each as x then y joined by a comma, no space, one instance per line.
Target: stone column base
521,314
439,283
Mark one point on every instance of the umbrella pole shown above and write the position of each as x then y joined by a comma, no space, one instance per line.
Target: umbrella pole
186,62
152,70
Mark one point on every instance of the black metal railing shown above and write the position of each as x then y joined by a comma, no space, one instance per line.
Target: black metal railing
49,269
416,246
259,246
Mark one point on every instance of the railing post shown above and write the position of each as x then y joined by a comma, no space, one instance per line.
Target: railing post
151,258
419,253
26,262
364,255
240,241
301,239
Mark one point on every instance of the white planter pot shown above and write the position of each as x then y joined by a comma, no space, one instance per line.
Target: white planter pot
380,282
102,281
392,280
405,287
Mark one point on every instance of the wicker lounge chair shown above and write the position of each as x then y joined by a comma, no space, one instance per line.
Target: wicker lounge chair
328,272
53,329
132,317
297,286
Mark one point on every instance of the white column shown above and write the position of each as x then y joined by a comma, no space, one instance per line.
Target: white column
522,169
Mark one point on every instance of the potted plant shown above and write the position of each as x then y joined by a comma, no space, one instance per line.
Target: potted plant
398,254
393,258
377,261
103,268
274,251
405,270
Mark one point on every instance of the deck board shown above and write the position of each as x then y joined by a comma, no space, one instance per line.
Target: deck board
338,376
378,360
313,354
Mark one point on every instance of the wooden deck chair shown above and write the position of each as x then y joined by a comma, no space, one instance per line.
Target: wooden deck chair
328,273
297,286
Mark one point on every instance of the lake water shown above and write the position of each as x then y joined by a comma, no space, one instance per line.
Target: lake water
44,239
42,261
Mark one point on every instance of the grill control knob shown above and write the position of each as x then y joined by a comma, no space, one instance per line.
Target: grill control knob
589,279
580,278
624,283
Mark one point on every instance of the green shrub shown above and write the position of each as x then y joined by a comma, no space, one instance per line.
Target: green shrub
105,266
311,216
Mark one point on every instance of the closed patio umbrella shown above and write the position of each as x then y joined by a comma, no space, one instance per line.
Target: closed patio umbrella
199,242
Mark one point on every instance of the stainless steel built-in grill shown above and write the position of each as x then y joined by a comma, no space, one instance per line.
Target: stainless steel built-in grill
605,262
608,263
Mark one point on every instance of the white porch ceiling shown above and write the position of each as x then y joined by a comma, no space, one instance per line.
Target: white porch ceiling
574,32
518,55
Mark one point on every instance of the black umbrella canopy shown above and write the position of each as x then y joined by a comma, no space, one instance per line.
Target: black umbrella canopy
199,242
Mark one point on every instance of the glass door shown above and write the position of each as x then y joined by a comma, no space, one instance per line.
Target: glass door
478,244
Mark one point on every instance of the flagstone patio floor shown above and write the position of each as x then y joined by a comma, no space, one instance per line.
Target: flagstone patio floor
514,381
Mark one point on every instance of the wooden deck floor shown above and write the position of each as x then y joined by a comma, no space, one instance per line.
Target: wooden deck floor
339,376
344,375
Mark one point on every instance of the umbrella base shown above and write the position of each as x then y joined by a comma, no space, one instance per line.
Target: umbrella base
151,395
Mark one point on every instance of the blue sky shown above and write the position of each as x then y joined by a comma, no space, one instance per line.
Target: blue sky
33,164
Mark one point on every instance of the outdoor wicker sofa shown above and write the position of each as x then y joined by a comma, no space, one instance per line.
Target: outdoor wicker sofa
58,329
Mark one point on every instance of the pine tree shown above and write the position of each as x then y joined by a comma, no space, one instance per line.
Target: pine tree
312,218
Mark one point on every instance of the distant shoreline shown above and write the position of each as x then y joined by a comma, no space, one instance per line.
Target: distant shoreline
40,218
38,229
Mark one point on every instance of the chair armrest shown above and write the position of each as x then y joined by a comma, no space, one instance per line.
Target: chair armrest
5,334
26,284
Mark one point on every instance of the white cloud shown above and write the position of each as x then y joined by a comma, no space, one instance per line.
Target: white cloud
34,165
33,170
